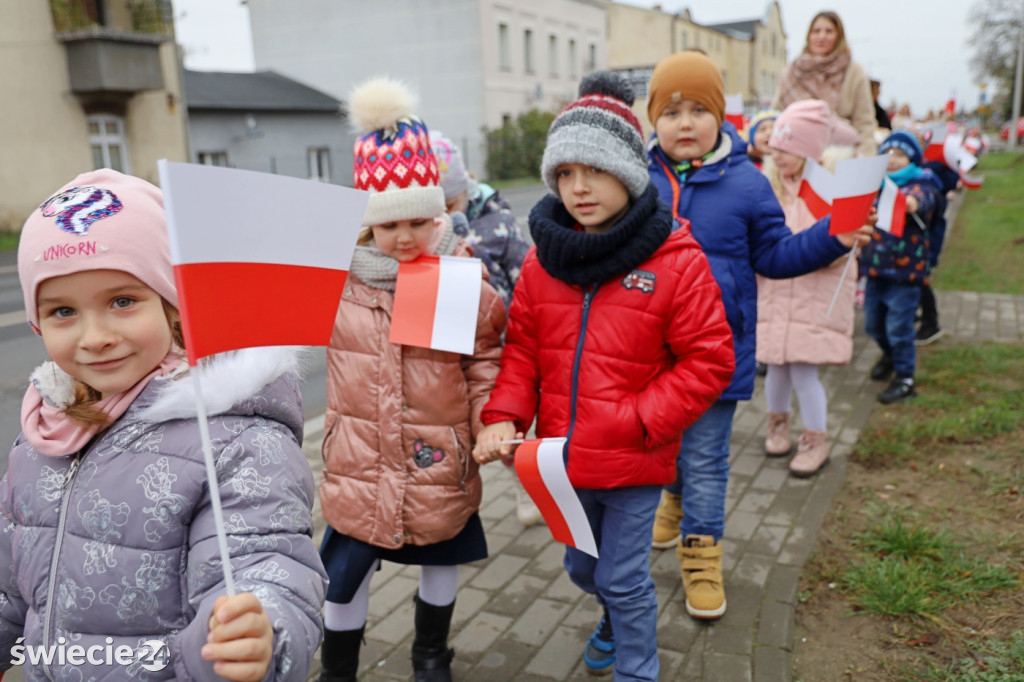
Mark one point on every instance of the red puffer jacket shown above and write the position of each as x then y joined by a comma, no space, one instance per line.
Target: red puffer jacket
621,368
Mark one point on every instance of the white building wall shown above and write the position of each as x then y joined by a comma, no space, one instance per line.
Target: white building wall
514,89
446,49
333,45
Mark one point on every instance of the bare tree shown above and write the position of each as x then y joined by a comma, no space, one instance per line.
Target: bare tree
996,27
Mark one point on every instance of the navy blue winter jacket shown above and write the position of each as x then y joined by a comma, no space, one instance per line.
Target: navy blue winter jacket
739,224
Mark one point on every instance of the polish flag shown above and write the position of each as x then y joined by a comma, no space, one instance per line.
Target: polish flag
856,184
734,111
437,302
816,189
951,102
892,209
935,150
956,155
259,259
971,181
540,466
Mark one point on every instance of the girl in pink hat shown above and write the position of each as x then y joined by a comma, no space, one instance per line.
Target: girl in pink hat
795,333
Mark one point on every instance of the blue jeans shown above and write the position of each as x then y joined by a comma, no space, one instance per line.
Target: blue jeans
621,519
889,309
703,476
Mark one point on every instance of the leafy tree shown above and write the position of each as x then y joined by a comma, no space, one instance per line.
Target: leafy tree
996,28
515,149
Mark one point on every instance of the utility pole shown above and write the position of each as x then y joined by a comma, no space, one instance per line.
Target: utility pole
1017,77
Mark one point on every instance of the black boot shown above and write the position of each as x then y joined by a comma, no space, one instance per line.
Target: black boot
431,657
339,655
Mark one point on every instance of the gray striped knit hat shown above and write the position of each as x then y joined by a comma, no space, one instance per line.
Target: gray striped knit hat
599,129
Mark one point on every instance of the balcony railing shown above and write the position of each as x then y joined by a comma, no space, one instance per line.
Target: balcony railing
152,17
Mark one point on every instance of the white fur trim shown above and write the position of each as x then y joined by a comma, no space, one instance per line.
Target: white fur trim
54,384
379,103
404,204
226,378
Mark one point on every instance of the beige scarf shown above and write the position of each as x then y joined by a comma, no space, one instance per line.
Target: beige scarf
814,77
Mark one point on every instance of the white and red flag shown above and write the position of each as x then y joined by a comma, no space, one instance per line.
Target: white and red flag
259,259
540,465
437,302
816,188
855,186
734,111
892,209
957,156
971,181
935,149
951,102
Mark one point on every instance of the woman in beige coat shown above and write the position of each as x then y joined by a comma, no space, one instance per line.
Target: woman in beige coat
795,332
825,70
399,483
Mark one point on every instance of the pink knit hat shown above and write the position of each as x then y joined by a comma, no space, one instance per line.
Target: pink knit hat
807,127
102,220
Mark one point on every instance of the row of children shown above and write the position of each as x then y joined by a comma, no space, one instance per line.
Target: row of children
631,332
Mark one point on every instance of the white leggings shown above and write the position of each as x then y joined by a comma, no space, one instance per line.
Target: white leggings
782,380
437,587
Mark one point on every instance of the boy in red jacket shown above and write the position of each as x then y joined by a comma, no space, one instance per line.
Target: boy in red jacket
617,340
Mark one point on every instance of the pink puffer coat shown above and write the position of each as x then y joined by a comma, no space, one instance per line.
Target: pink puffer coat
401,422
792,320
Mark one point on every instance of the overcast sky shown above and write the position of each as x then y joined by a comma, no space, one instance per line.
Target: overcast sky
917,48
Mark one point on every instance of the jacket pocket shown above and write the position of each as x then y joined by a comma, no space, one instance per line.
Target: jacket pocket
328,437
463,460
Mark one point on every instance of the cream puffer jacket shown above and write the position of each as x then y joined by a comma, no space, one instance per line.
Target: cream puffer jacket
400,424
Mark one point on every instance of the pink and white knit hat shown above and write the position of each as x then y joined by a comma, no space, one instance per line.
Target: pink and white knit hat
101,220
806,128
394,160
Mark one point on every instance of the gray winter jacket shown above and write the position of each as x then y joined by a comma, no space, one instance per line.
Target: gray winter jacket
116,546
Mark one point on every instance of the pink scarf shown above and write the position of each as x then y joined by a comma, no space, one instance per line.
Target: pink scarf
50,431
814,77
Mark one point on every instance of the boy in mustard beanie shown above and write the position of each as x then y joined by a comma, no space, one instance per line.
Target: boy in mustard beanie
700,167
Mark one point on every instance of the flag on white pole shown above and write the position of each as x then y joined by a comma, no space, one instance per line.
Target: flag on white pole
892,209
259,259
816,189
856,184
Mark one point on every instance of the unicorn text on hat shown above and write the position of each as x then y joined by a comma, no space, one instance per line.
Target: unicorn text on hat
79,207
67,250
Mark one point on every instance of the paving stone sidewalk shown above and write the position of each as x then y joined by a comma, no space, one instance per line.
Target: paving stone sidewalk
518,617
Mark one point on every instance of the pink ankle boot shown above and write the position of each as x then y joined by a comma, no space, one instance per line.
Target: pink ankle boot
779,443
811,454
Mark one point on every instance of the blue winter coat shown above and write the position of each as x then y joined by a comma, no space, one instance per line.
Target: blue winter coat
739,224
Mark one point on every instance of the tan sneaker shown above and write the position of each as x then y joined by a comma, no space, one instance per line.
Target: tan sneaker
779,442
666,520
700,561
811,453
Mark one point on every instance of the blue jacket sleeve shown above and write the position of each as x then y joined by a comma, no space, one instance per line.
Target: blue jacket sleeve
777,253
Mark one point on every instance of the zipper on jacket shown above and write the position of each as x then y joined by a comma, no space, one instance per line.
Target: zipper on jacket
463,460
51,594
588,296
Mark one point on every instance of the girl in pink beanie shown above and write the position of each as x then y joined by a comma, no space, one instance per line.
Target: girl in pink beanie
108,527
795,333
